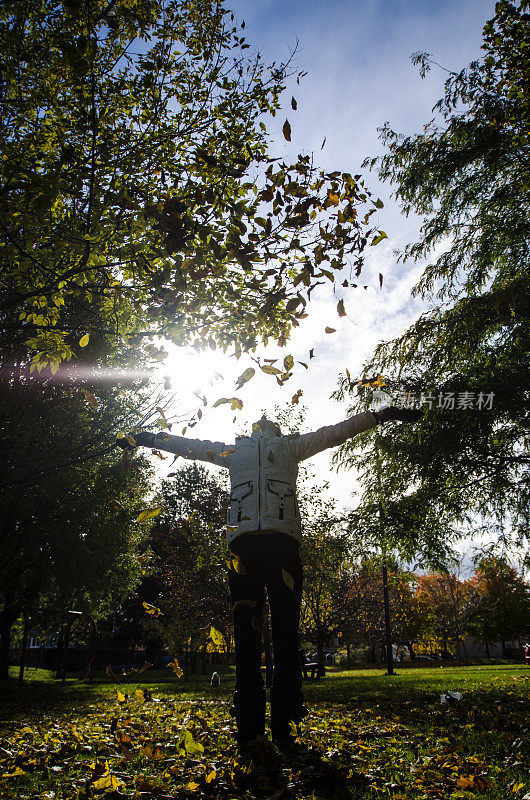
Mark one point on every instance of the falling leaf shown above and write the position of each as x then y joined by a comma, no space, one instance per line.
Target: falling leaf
217,637
210,776
330,330
245,377
287,130
175,666
323,143
149,513
152,610
83,341
295,399
288,363
294,104
340,308
287,579
382,235
311,354
109,672
116,505
380,280
226,453
270,370
238,566
91,399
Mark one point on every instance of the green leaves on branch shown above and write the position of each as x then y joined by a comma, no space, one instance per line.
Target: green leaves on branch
131,204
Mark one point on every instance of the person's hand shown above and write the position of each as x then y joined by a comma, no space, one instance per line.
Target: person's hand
393,413
142,439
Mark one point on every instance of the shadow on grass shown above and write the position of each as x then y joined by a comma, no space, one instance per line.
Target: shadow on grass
41,693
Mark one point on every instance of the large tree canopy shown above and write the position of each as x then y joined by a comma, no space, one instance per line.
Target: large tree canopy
137,195
467,174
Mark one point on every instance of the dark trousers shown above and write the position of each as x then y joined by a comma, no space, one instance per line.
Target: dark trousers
268,561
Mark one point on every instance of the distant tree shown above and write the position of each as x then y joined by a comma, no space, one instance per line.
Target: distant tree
188,542
325,548
71,541
504,610
449,605
365,618
466,358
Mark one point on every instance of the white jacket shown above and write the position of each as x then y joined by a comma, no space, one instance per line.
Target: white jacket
263,471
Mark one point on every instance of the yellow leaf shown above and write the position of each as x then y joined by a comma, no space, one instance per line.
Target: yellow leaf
330,330
288,363
120,697
192,786
235,402
271,370
287,579
149,513
382,235
333,199
83,341
238,566
16,772
217,637
211,776
107,782
153,610
175,666
140,696
245,376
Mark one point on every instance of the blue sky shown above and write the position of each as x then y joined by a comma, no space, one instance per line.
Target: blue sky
357,55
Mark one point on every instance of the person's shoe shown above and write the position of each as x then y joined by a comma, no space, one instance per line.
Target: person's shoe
263,753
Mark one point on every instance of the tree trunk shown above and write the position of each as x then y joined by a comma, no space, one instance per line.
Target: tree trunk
487,647
7,618
321,669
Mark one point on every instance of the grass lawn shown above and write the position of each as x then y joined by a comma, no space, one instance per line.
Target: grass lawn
368,735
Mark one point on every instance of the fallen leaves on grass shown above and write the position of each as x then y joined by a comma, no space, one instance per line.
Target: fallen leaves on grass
140,745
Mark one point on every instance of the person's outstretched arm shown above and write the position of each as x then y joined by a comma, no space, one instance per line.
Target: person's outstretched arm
309,444
196,449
